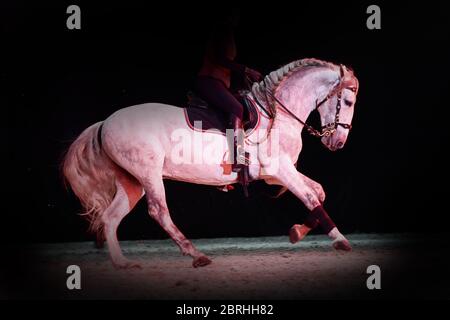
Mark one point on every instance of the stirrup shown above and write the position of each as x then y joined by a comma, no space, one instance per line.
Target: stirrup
242,168
243,159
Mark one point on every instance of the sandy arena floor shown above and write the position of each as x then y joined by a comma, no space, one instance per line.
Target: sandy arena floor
242,268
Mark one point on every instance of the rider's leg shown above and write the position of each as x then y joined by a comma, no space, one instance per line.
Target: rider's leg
219,97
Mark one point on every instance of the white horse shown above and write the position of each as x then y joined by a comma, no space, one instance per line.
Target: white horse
113,163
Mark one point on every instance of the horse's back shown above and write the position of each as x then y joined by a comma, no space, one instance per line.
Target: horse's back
148,112
145,123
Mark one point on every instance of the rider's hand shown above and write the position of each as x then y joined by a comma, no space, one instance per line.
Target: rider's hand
253,74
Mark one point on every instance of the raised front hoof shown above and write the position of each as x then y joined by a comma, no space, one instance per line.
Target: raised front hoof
201,261
126,264
295,234
343,245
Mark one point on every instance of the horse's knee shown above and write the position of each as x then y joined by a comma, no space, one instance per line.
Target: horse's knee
311,200
319,190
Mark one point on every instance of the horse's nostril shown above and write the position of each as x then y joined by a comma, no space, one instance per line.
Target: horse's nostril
340,144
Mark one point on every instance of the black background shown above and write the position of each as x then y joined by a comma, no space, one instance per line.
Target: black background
390,177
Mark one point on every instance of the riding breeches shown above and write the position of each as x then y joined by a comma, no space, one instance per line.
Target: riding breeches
218,96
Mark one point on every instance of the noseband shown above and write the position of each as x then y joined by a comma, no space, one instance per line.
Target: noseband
329,128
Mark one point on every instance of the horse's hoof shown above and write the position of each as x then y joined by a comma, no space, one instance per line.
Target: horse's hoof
342,245
294,234
201,261
298,232
127,264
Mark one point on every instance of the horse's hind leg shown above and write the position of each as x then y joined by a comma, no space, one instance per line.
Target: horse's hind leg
159,211
129,191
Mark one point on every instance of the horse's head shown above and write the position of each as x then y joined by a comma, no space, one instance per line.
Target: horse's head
336,110
304,85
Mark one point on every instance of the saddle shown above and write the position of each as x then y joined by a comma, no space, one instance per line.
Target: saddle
198,110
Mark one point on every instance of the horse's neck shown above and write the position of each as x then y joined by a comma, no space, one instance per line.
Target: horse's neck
299,93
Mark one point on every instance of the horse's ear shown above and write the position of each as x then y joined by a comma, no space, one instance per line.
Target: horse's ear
350,82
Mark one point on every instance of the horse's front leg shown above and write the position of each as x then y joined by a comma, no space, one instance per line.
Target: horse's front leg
299,231
312,195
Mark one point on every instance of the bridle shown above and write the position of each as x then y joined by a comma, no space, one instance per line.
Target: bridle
327,129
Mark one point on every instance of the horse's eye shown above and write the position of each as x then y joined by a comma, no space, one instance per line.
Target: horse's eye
348,102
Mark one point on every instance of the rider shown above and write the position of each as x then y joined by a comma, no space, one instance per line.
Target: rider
214,79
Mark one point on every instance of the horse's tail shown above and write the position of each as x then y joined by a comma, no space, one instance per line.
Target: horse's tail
90,173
